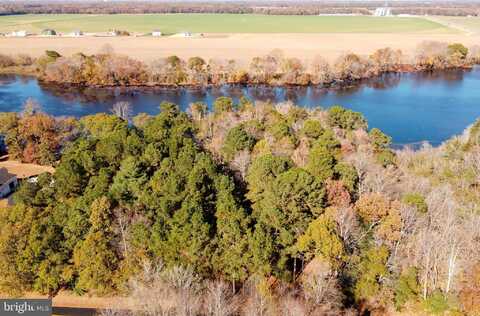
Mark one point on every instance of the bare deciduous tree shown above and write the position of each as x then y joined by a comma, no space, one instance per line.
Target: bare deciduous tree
320,285
241,161
219,300
123,110
31,107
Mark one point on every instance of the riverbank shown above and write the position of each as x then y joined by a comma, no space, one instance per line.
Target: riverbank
108,69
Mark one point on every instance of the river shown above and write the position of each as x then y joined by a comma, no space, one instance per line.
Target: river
411,108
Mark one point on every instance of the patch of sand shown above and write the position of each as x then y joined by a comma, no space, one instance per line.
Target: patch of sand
241,47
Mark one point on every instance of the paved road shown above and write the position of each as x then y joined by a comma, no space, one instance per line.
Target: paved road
69,311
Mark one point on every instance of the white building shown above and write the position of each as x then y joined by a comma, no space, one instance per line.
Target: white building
186,34
156,33
385,11
18,34
76,33
8,182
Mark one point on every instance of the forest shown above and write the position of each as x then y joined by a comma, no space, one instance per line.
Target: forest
249,209
107,69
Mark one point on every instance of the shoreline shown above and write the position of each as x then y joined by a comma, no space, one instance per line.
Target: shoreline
334,84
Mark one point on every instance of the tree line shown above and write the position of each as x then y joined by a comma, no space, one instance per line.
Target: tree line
248,209
458,8
109,69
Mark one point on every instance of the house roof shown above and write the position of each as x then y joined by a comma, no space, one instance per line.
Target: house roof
24,170
5,176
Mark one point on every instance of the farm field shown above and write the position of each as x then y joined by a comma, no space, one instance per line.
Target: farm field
241,47
469,25
221,23
240,37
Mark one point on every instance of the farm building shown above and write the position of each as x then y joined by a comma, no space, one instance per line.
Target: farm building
383,12
49,32
156,33
18,34
186,34
113,33
76,33
8,182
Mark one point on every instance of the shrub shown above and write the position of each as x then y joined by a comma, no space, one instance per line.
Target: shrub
416,200
52,54
458,49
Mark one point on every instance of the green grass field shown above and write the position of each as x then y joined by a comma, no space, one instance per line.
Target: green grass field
220,23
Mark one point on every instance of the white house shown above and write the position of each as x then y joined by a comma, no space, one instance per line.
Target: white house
8,182
156,33
18,34
185,34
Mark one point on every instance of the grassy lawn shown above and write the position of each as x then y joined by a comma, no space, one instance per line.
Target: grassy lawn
221,23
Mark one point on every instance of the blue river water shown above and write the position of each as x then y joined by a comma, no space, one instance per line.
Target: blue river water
411,108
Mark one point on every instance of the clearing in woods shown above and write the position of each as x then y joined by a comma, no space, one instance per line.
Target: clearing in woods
220,23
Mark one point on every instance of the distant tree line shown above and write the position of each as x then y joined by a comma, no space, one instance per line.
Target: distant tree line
109,69
457,8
